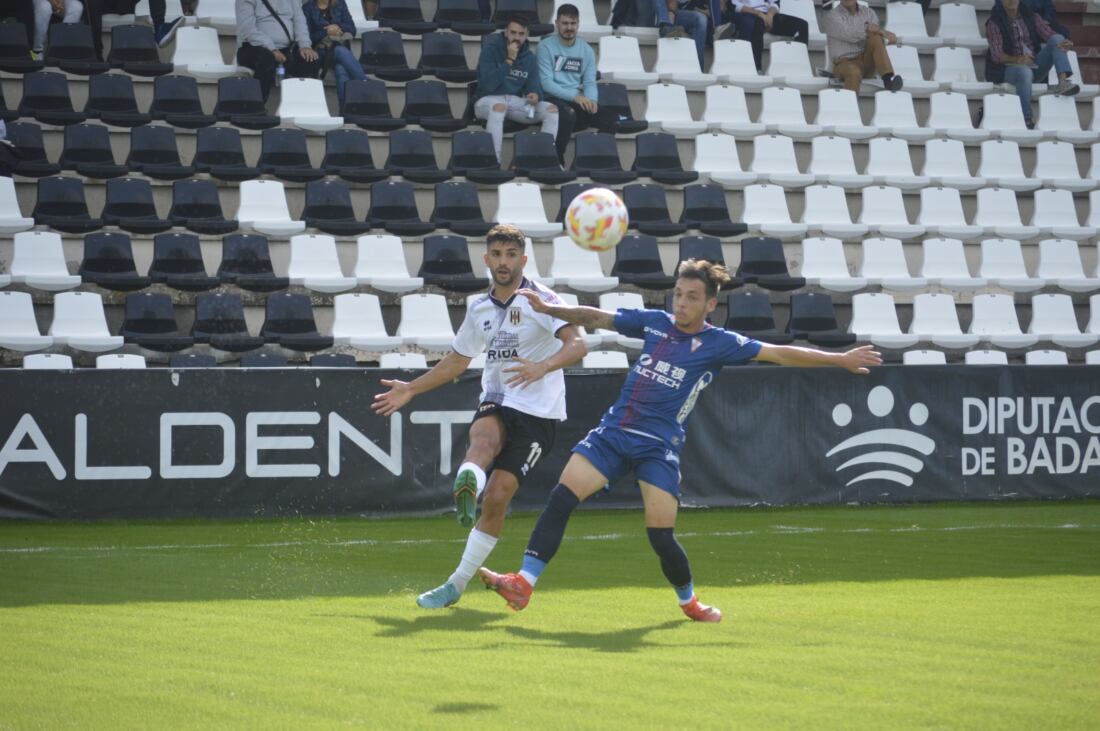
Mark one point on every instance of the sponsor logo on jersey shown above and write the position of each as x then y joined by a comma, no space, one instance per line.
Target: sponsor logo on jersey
501,354
655,331
696,343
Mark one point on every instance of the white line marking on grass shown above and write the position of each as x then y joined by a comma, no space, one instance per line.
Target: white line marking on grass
774,530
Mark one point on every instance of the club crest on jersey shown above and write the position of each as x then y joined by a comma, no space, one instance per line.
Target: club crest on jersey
696,343
513,315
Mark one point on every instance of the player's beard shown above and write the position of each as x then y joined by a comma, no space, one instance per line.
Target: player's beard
511,277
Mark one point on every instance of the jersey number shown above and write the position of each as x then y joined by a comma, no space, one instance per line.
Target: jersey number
532,457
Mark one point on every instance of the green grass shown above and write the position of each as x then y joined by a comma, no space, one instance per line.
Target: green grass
954,616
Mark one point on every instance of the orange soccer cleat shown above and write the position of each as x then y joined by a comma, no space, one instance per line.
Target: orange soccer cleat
513,587
700,612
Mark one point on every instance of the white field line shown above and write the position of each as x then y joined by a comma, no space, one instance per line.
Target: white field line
774,530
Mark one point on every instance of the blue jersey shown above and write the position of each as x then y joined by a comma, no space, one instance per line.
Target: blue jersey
674,367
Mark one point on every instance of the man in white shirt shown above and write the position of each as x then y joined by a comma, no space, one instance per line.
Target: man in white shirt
522,398
750,19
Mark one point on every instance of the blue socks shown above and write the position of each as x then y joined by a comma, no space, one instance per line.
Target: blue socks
674,561
549,530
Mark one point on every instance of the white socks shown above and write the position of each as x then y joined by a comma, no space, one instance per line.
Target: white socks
479,475
478,547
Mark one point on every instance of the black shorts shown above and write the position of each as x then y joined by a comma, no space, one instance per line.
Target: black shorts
526,438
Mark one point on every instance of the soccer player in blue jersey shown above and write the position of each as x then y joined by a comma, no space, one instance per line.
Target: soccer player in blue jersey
643,432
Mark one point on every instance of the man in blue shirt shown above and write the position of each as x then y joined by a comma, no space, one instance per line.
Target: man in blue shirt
643,432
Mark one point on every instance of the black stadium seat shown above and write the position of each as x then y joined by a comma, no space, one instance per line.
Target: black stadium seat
284,154
707,248
177,262
69,46
705,208
638,262
446,264
263,360
458,208
153,153
427,104
404,16
412,156
6,114
596,156
241,103
393,207
151,323
328,208
463,17
130,207
813,318
195,205
46,97
192,360
347,154
15,51
134,50
615,101
176,101
569,191
30,150
246,262
111,100
648,209
536,158
109,262
61,205
218,152
749,313
219,323
367,105
659,158
442,56
289,322
383,56
473,157
87,151
529,9
763,264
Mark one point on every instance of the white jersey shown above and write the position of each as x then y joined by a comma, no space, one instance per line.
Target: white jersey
505,330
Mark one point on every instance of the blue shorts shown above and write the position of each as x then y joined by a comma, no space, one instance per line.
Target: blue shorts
615,452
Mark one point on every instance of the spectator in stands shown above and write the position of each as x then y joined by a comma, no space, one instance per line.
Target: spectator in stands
567,74
857,45
750,19
1045,10
508,84
331,29
273,33
682,19
163,30
69,11
1022,48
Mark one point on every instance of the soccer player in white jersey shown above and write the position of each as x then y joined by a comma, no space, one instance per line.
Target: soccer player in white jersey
522,398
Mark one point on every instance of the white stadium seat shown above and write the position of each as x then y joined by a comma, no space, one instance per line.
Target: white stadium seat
612,302
11,218
993,317
357,321
949,116
889,163
941,213
263,208
906,63
198,53
766,211
1091,358
838,114
734,64
875,320
986,357
1053,319
1002,166
1004,117
579,269
666,108
923,357
381,264
119,361
727,110
1060,264
678,63
1056,166
1093,325
945,164
944,264
884,211
403,361
18,327
959,26
620,60
826,212
38,262
935,320
824,265
521,204
1058,118
1045,358
832,162
315,264
1056,215
47,362
716,158
425,322
789,65
80,323
1003,265
895,116
605,360
906,21
781,112
955,69
220,14
302,103
592,340
773,159
884,265
998,213
804,9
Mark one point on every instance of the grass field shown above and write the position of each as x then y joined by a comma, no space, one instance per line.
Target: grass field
956,616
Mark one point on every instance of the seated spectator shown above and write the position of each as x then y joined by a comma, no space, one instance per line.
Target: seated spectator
681,19
266,41
857,45
162,29
1022,48
1045,10
750,19
508,84
567,74
331,29
69,11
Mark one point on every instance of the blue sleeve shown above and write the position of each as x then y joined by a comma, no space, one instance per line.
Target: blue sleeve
588,75
737,348
314,23
343,17
632,322
490,75
546,72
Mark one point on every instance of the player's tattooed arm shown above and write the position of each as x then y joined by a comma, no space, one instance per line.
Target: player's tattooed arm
857,360
586,317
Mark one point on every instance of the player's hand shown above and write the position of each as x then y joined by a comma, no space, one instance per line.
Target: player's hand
857,360
392,400
525,372
537,303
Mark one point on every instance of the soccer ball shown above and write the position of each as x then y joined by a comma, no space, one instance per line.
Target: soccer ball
596,220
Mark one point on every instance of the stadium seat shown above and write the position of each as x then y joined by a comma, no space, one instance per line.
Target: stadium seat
521,204
907,65
569,191
30,150
218,14
177,262
332,360
648,210
289,323
789,65
458,208
1060,264
1093,172
134,50
46,97
366,104
402,361
1056,215
638,263
832,162
813,318
1053,319
154,154
393,207
949,116
596,156
246,263
38,261
578,269
616,103
826,212
263,208
150,322
198,53
804,9
1002,263
348,155
412,156
1045,358
781,113
935,320
945,165
838,114
119,361
328,208
954,68
130,206
357,321
985,357
442,56
284,154
80,323
503,10
1094,209
749,313
923,358
109,262
705,209
658,157
1093,325
111,100
613,302
824,265
69,46
15,50
446,264
884,211
608,360
889,164
716,158
359,17
773,159
315,265
619,59
1088,91
1091,358
219,322
195,205
884,265
536,158
705,247
61,206
678,63
473,157
944,264
425,322
895,116
241,103
941,214
176,101
1002,167
875,320
994,319
733,64
404,16
1058,118
727,110
427,105
766,212
667,109
263,360
1004,117
47,361
998,213
18,327
383,57
1056,167
906,21
218,152
959,26
381,265
764,264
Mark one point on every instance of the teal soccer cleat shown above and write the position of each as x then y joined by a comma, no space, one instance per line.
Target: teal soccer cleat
439,597
465,494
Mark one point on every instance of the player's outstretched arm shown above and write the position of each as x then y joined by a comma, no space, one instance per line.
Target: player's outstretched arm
588,317
857,360
525,372
401,392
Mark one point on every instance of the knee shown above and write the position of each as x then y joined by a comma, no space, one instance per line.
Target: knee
552,109
1056,39
875,41
499,108
662,540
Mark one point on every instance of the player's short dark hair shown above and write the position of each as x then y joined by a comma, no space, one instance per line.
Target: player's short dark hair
520,20
506,233
714,276
569,10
